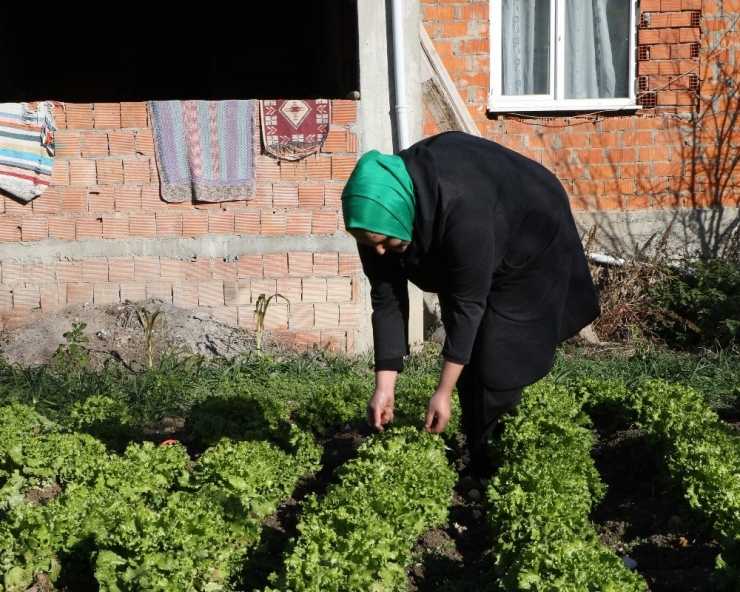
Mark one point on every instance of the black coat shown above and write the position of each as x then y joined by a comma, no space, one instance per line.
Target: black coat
495,238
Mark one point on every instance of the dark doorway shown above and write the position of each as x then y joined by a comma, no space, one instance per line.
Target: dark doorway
214,50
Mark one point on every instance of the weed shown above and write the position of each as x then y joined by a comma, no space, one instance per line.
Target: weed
72,356
147,320
260,311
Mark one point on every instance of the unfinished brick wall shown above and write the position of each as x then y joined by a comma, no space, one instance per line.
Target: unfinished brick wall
675,152
105,188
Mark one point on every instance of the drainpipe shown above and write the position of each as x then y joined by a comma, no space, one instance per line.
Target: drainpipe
399,73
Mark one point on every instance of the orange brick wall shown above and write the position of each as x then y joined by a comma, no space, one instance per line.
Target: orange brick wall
105,188
676,152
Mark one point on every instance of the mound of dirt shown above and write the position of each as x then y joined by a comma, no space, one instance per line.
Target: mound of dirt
119,331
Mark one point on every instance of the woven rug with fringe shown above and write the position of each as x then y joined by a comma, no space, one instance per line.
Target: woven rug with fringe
292,129
204,150
26,148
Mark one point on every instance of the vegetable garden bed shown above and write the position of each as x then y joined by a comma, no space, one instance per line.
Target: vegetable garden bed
272,473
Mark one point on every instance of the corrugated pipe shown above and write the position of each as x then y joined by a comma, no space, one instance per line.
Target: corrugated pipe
399,73
607,260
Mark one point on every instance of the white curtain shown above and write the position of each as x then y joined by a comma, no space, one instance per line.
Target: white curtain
596,47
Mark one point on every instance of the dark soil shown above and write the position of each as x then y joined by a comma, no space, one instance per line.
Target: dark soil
641,517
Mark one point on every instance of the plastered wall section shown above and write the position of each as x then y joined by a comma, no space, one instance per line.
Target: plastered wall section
105,190
676,152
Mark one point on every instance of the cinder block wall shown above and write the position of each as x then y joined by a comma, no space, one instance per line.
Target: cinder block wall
101,233
675,153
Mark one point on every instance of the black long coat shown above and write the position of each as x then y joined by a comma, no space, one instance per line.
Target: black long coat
495,238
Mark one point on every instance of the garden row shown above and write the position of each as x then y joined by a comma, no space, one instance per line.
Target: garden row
152,518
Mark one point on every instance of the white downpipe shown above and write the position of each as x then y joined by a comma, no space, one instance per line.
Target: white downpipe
399,73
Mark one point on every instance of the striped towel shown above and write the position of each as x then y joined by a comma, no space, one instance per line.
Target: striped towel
26,148
204,149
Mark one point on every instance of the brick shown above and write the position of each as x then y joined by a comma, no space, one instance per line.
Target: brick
349,264
59,173
26,296
185,295
67,144
168,224
455,29
82,172
291,288
142,225
293,170
301,316
194,224
263,286
106,293
339,289
49,202
221,222
199,269
121,143
145,142
336,141
110,171
243,293
94,270
456,63
266,168
79,293
137,171
224,269
307,339
127,198
275,264
298,222
79,116
14,272
121,269
61,227
438,13
49,298
151,200
211,293
134,115
300,263
324,222
319,168
343,112
326,264
314,290
247,222
472,12
228,315
146,269
133,292
285,195
342,166
349,316
637,202
606,203
93,144
172,270
39,273
272,222
159,290
333,195
34,228
107,116
249,266
88,226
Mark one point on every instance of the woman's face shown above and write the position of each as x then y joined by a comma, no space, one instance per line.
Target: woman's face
380,242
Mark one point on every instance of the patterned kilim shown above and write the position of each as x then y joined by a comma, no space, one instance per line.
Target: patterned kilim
26,148
293,129
204,149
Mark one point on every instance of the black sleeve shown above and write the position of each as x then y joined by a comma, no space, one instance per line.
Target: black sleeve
468,248
390,302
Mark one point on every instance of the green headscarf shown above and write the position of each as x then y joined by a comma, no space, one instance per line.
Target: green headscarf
379,196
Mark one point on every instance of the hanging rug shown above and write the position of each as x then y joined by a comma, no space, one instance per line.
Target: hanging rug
204,150
294,128
26,148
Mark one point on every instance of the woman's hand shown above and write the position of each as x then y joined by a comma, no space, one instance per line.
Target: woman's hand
440,405
380,408
439,411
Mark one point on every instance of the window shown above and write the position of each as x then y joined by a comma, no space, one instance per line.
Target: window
562,55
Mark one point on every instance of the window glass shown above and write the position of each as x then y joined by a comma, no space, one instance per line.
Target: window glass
526,47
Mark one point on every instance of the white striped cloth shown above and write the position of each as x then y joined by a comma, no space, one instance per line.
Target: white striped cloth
26,148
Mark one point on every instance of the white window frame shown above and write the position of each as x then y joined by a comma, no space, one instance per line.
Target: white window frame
555,101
